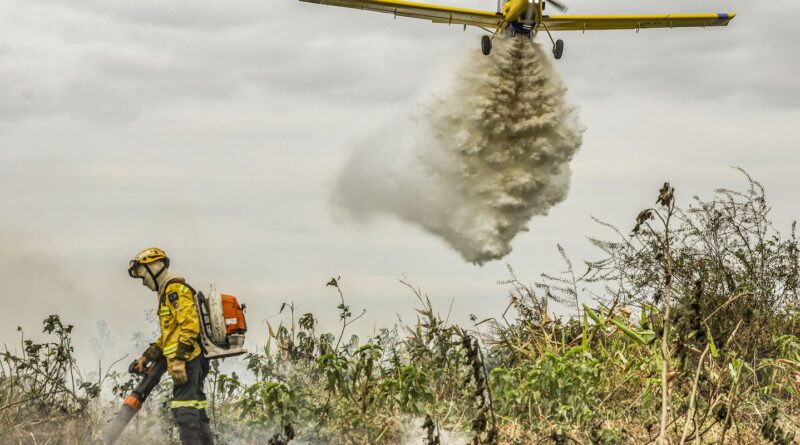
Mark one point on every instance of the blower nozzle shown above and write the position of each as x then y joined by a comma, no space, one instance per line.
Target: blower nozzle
151,376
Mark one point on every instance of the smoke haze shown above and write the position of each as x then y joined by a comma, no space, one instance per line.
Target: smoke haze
489,155
29,276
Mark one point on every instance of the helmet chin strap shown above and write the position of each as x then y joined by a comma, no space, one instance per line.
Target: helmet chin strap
154,276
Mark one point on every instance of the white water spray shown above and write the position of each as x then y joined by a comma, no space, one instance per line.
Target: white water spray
487,157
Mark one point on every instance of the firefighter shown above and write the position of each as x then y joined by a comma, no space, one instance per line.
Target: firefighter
178,342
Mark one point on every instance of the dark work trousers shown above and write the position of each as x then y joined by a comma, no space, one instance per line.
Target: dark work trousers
189,405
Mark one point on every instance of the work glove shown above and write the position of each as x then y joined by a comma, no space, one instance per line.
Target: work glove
178,372
150,354
140,363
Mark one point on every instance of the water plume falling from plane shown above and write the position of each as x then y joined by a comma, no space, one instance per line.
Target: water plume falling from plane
488,156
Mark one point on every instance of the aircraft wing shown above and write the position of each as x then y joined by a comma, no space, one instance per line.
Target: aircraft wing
434,13
598,22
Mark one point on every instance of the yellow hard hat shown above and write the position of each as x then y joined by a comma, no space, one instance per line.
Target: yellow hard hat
147,256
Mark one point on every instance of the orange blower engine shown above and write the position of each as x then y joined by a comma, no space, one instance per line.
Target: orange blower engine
222,324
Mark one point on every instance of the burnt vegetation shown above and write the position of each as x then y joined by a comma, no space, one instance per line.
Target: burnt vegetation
684,330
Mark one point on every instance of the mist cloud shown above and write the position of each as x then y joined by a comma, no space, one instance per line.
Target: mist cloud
491,154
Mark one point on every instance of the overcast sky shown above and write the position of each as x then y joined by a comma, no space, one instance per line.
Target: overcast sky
216,130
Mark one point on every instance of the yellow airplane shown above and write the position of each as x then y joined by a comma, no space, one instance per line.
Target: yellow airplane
527,17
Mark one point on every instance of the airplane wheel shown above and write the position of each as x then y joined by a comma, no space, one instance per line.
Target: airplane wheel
558,50
486,45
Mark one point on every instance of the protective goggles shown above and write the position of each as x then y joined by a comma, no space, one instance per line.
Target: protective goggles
133,270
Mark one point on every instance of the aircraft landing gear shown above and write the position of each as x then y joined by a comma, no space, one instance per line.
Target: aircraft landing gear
558,49
486,45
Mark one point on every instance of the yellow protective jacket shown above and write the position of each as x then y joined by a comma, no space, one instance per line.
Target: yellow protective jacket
180,325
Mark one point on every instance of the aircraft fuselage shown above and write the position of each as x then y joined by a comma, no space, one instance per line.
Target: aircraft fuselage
514,10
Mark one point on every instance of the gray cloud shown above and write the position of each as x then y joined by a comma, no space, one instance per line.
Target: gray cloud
747,63
114,60
109,61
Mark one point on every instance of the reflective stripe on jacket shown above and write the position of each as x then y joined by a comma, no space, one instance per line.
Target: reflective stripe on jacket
177,316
